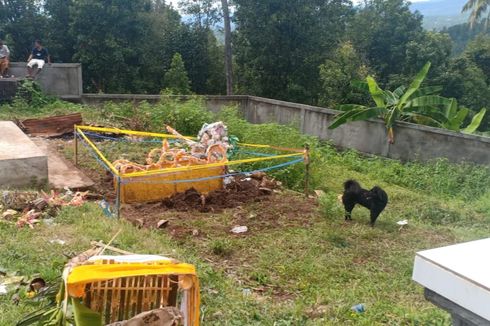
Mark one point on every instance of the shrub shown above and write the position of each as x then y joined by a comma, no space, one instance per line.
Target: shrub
330,206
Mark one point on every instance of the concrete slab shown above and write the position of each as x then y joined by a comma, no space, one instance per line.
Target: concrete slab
460,273
62,173
22,163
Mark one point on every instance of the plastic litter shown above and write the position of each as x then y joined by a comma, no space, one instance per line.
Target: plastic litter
57,241
359,308
402,224
239,229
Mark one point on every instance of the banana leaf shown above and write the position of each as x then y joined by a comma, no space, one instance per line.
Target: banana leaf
376,93
391,118
415,85
350,107
433,113
429,100
84,316
359,113
49,315
456,120
422,115
399,91
452,109
390,98
475,122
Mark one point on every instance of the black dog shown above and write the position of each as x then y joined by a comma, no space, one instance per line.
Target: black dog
375,199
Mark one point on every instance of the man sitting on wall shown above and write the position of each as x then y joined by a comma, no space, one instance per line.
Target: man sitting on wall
4,59
38,57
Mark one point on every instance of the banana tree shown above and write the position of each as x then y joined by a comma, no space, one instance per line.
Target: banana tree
401,104
456,116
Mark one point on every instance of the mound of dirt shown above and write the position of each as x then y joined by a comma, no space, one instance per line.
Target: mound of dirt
238,190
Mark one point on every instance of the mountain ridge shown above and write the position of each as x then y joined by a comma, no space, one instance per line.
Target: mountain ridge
439,7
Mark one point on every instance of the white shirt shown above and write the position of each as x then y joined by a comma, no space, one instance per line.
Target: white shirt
4,51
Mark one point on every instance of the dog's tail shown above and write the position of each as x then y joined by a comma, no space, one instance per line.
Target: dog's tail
380,194
352,186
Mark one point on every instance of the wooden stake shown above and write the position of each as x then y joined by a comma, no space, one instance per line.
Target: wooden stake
307,169
75,144
118,197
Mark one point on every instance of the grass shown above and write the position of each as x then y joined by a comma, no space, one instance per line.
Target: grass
299,264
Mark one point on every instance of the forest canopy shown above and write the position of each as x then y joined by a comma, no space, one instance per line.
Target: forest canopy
305,51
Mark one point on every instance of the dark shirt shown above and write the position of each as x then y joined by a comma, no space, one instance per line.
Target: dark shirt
40,54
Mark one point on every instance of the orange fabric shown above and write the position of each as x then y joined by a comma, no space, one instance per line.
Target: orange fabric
82,275
4,64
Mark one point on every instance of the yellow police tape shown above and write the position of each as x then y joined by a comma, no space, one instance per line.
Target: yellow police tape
297,152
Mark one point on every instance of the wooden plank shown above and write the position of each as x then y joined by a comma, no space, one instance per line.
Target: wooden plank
51,126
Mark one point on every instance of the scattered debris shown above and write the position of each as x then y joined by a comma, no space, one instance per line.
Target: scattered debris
247,292
18,200
359,308
239,229
10,282
162,224
106,208
9,214
37,284
58,241
67,199
319,193
402,223
16,298
52,126
33,206
139,223
195,233
316,311
29,219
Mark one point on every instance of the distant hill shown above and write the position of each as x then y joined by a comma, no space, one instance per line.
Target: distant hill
441,13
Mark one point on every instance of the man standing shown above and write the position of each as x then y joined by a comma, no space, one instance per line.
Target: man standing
38,57
4,59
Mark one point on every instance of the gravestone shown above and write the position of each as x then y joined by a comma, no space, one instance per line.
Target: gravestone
8,88
457,279
22,163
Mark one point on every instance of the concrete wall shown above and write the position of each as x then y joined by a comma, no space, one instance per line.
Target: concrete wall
213,102
60,79
411,141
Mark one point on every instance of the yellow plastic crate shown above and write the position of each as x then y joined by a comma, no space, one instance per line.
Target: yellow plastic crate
157,187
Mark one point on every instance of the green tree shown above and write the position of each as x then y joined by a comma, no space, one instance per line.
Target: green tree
205,66
21,22
462,34
108,41
279,45
382,30
468,78
336,75
477,9
61,43
176,79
